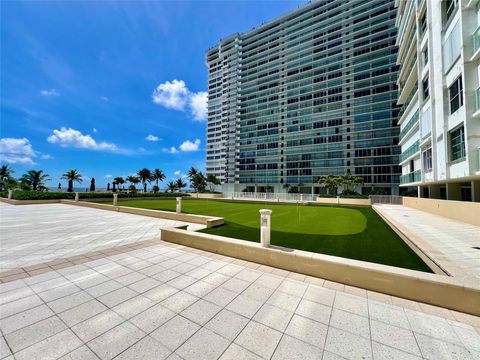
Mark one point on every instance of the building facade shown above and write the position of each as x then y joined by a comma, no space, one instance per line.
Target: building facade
439,78
310,93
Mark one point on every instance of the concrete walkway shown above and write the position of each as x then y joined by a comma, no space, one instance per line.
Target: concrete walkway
33,234
448,242
167,301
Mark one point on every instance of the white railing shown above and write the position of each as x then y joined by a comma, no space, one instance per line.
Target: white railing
271,196
386,199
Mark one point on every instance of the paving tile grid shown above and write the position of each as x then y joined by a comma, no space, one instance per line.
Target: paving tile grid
169,301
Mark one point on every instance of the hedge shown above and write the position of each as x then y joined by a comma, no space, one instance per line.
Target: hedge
40,195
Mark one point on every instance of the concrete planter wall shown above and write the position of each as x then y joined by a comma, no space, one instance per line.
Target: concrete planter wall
343,201
414,285
206,196
464,211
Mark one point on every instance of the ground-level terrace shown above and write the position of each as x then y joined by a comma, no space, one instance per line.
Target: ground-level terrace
151,299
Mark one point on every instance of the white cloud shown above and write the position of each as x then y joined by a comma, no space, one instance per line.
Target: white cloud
94,130
175,95
104,98
16,151
74,138
172,95
179,174
172,150
46,157
151,137
189,146
198,105
50,92
108,176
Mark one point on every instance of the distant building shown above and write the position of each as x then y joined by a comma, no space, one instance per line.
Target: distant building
310,93
439,51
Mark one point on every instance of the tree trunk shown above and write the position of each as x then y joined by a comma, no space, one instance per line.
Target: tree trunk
70,186
144,187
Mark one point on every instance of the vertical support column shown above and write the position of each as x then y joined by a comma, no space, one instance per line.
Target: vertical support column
265,227
77,196
10,193
179,205
115,199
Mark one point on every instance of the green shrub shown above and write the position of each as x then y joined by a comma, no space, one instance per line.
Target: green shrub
39,195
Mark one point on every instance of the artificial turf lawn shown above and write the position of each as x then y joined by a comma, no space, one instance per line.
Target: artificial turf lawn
351,232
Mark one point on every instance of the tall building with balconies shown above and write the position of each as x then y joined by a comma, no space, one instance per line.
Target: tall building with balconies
310,93
439,79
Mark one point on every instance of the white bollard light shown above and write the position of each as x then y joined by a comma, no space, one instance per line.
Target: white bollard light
115,199
77,196
10,193
265,227
179,205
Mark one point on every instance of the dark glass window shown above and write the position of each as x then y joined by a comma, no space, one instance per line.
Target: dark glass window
456,95
457,144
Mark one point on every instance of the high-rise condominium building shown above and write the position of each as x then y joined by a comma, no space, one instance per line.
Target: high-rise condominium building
310,93
439,51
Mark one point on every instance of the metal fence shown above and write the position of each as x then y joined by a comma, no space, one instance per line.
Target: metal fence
271,196
386,199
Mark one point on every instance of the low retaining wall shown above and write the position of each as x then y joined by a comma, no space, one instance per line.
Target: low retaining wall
30,202
414,285
463,211
343,201
207,196
208,221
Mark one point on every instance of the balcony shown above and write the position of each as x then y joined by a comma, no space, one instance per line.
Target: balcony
412,177
476,45
413,121
412,150
477,102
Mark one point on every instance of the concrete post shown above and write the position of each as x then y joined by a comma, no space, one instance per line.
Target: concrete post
77,196
115,199
179,205
265,227
10,193
301,197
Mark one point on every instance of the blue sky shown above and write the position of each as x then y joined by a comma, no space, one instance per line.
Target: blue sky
111,87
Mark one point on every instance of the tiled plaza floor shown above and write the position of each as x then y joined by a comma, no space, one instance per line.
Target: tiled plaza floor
450,243
168,301
33,234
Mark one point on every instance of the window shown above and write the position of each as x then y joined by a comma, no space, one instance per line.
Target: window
425,88
425,56
456,95
423,22
450,6
457,144
427,159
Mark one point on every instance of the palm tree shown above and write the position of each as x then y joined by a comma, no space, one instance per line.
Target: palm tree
158,175
72,176
119,181
348,180
5,175
331,182
134,180
192,172
145,176
180,184
172,186
212,181
36,179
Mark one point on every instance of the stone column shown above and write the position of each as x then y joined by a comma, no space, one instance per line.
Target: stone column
77,196
265,227
179,205
10,193
115,199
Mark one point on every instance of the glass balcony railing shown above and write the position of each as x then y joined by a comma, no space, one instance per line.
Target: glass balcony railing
477,99
412,177
410,151
476,40
407,102
409,125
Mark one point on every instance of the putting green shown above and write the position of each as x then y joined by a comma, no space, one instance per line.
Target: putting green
351,232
